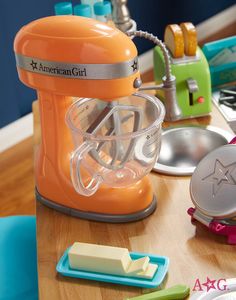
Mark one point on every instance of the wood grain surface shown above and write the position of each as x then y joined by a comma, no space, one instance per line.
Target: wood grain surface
194,252
17,180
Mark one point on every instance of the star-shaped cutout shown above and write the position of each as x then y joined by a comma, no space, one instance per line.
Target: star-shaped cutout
135,65
221,175
209,284
34,65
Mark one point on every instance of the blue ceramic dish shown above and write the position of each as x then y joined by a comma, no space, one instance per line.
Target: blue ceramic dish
163,263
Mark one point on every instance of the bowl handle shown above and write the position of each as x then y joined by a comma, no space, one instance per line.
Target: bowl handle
75,172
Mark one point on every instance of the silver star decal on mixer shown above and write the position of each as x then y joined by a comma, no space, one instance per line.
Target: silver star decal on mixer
34,65
135,65
221,175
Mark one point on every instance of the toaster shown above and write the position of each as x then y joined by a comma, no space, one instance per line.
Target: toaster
193,82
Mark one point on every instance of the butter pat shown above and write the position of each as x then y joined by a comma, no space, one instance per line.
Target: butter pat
138,265
108,260
149,273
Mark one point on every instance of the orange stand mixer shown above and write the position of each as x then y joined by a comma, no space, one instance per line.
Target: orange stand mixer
64,57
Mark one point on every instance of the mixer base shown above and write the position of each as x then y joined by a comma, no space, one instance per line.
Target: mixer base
97,216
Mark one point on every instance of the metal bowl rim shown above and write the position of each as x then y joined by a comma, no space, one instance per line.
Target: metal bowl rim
187,171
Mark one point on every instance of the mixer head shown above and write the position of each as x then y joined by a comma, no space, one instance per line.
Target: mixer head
76,56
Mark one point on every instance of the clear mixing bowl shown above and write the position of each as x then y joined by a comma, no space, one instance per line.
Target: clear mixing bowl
116,143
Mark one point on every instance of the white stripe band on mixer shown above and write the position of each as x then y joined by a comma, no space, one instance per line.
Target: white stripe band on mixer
79,71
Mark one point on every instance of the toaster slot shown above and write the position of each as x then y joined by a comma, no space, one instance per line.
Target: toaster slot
190,98
192,88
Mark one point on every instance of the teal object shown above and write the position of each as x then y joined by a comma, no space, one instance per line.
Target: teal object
191,104
102,8
176,292
224,72
213,48
18,258
63,8
163,263
82,10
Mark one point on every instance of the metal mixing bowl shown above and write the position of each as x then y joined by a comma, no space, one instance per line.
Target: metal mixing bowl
183,147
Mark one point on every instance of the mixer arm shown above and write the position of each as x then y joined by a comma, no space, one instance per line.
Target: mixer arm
117,147
152,87
109,112
113,111
111,131
138,119
101,119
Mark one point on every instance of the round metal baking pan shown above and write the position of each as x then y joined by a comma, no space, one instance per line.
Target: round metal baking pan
182,148
213,184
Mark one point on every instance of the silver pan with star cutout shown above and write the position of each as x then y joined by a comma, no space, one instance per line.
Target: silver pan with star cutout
213,183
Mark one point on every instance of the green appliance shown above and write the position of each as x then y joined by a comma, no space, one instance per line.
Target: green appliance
193,82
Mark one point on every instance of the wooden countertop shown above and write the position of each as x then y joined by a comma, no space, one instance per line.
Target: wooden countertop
194,252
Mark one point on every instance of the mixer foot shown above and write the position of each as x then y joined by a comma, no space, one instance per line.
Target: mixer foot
98,216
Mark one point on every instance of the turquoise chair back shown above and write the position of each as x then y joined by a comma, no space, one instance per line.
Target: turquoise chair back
18,258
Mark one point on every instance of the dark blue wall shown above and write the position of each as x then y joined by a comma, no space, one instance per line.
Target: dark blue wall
154,15
150,15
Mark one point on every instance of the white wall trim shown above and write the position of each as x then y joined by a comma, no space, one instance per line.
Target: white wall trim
16,132
23,128
214,24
